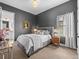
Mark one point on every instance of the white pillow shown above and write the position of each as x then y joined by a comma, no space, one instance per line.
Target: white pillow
42,32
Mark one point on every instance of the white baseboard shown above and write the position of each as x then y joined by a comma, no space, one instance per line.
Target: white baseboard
63,45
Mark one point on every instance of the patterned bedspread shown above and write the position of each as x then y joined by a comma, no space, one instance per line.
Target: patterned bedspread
32,42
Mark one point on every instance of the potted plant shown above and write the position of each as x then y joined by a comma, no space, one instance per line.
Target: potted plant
1,35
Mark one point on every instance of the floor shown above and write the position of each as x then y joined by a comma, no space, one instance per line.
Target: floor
49,52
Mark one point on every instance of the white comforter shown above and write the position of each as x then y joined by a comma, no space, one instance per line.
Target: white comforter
29,40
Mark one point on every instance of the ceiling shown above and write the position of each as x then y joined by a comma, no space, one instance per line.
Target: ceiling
26,5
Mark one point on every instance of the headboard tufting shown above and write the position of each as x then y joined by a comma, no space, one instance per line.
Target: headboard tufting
50,29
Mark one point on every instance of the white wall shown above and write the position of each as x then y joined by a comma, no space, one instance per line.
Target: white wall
8,16
0,15
78,27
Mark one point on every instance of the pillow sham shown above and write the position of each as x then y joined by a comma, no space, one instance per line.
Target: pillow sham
42,32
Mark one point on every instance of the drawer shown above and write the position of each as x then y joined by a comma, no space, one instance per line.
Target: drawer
3,51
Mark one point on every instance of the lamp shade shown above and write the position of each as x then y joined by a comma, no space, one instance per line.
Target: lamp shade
34,29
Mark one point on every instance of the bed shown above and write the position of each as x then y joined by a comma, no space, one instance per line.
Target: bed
31,43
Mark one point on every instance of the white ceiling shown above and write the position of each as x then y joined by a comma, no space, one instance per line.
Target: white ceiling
26,5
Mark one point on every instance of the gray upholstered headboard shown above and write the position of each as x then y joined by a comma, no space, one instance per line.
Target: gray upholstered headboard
50,29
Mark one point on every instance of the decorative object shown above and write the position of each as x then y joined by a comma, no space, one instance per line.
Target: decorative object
3,33
34,29
1,36
26,24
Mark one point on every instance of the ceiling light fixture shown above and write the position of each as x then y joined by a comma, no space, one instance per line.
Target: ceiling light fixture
34,3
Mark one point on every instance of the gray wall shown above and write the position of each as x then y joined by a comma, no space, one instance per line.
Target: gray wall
48,18
20,16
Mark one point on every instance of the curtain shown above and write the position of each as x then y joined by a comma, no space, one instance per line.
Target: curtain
68,29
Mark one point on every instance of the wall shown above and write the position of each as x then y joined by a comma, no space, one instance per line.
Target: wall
20,16
9,23
48,18
78,27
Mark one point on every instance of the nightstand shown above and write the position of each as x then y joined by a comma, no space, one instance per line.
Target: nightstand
55,40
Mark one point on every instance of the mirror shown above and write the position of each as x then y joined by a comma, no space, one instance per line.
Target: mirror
5,24
26,24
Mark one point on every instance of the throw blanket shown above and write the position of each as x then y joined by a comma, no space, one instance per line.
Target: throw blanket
32,42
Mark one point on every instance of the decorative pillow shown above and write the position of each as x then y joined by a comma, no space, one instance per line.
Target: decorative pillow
46,32
42,32
39,32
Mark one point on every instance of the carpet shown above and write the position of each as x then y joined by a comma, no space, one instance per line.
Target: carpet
49,52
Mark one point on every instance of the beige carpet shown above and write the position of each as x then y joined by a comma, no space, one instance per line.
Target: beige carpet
49,52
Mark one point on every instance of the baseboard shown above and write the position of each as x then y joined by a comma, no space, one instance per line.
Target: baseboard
63,45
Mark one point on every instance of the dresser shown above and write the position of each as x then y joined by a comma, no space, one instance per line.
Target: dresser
6,51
